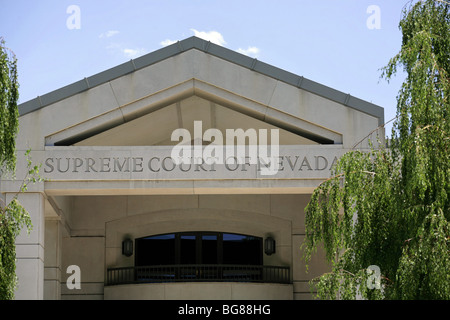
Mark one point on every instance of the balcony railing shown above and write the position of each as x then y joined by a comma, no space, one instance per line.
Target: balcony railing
198,273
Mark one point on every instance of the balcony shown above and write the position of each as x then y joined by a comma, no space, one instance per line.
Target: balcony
198,273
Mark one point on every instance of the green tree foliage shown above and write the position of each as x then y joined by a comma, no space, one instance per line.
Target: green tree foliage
13,216
390,207
9,94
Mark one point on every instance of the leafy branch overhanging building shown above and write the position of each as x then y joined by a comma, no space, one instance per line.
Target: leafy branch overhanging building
196,232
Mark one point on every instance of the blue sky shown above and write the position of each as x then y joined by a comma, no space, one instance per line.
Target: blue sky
328,41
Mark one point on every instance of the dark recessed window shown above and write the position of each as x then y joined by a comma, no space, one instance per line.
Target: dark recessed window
199,248
241,249
209,248
155,250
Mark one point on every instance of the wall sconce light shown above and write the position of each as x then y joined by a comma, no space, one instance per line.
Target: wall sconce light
269,246
127,247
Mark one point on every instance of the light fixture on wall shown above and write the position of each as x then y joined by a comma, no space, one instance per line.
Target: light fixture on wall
269,246
127,247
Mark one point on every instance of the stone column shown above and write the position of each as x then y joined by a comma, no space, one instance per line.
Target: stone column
30,249
52,269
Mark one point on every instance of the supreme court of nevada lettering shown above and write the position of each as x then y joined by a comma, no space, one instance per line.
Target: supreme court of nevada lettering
118,216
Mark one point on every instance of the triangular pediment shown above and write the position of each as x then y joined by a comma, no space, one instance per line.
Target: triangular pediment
156,128
150,121
142,101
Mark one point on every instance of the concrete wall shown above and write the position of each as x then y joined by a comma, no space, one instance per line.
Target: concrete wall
200,291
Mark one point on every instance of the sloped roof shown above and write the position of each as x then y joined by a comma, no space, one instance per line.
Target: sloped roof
215,50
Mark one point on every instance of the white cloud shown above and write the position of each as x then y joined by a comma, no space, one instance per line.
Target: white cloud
133,53
167,42
108,34
213,36
217,38
250,51
124,50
